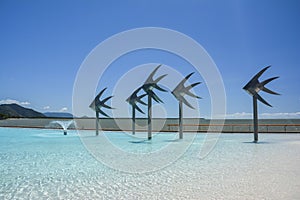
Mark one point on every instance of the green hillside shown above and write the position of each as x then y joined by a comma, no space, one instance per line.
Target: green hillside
17,111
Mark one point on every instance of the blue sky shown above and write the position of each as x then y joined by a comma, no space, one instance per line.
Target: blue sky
43,44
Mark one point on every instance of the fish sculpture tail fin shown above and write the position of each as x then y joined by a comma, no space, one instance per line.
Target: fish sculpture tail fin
140,110
262,100
263,88
103,113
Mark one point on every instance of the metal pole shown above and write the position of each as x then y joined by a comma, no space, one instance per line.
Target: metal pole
255,120
180,120
133,120
149,118
97,121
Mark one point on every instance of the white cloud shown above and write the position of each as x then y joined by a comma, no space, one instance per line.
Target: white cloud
46,107
244,115
282,115
11,101
64,109
239,115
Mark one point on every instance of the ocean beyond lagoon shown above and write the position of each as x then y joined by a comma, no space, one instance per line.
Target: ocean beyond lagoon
45,164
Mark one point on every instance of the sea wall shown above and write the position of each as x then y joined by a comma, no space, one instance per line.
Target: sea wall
169,124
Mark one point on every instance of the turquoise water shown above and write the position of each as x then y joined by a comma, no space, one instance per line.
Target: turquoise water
45,164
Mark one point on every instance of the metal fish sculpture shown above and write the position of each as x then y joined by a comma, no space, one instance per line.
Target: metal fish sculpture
253,87
97,104
179,92
148,87
133,99
151,84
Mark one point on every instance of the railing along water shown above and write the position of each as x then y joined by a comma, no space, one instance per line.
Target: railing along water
239,128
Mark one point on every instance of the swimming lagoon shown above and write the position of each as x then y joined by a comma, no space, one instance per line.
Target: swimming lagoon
45,164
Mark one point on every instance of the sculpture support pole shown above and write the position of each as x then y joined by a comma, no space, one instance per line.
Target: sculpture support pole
255,120
97,121
180,120
133,120
149,117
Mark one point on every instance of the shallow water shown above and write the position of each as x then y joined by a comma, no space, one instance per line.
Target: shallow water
45,164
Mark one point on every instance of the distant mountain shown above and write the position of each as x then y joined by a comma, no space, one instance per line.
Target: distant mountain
15,110
58,114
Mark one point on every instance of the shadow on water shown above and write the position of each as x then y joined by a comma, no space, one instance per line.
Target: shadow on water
140,142
175,140
258,142
88,136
